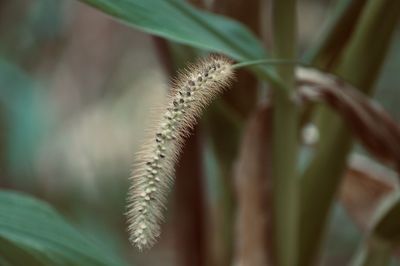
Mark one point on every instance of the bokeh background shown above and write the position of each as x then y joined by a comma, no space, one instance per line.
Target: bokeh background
76,91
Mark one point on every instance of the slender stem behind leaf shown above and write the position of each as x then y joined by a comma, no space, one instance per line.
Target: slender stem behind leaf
360,65
285,128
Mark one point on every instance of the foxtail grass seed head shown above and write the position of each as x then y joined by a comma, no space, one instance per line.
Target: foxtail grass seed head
153,171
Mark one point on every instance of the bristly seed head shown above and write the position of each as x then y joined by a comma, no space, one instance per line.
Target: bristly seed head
153,172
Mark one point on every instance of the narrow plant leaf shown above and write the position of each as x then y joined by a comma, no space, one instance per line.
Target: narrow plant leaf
179,21
384,236
369,122
31,231
18,254
379,134
335,34
253,190
364,186
360,64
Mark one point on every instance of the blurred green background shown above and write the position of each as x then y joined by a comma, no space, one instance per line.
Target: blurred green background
76,88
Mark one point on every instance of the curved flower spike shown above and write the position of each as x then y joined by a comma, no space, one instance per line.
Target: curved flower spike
153,171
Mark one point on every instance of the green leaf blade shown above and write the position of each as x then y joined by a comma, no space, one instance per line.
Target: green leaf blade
33,230
180,22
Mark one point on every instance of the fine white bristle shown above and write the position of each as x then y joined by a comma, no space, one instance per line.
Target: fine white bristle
153,170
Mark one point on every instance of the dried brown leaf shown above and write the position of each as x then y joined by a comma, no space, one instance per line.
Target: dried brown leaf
370,123
364,186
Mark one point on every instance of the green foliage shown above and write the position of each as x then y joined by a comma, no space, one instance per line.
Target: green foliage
180,22
32,232
321,179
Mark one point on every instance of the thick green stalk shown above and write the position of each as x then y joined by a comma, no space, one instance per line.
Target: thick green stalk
360,64
362,60
285,129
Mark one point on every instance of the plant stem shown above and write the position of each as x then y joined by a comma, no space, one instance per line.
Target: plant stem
264,61
335,34
360,64
223,135
189,204
370,43
285,129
